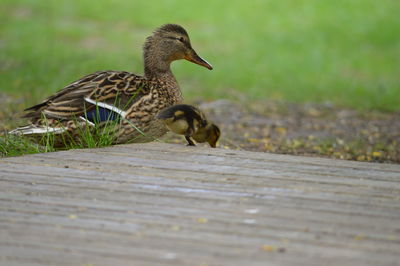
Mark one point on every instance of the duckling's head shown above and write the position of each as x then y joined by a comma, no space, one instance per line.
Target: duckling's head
168,43
209,133
214,134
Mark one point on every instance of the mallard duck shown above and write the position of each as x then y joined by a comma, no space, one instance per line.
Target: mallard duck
127,98
189,121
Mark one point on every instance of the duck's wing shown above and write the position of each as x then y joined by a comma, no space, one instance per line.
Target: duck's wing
107,92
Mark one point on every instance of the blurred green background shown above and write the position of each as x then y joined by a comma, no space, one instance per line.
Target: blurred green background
345,51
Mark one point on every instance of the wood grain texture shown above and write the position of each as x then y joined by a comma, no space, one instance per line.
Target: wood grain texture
165,204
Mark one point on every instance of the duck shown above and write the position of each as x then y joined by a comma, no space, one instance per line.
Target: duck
187,120
131,101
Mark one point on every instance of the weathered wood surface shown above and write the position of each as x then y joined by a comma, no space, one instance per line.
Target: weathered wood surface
156,204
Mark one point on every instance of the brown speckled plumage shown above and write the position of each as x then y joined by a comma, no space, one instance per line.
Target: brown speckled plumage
140,98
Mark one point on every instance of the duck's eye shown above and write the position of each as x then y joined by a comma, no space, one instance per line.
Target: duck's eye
181,39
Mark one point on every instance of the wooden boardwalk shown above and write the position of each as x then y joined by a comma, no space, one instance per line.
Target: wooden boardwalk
165,204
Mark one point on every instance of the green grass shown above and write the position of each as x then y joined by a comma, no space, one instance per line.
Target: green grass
88,137
344,51
11,145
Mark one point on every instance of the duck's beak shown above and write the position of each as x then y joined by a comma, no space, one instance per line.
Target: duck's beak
192,56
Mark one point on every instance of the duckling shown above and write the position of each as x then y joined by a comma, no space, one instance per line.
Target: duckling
189,121
129,99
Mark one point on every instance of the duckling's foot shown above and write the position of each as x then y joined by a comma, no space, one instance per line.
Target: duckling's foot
190,141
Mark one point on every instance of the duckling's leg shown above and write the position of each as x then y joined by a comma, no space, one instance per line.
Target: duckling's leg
190,141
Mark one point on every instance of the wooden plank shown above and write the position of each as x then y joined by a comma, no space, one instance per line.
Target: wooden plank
164,204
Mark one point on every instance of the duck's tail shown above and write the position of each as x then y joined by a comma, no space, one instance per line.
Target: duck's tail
33,129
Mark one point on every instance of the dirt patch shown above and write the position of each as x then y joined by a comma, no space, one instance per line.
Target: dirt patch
306,129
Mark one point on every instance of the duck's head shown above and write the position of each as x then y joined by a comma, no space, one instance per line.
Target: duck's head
168,43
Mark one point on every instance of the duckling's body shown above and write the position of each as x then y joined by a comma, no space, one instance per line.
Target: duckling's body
189,121
130,100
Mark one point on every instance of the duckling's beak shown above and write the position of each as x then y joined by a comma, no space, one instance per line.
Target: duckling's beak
192,56
212,144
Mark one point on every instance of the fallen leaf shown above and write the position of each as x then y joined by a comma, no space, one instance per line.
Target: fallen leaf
253,140
175,228
281,130
202,220
268,248
377,154
359,237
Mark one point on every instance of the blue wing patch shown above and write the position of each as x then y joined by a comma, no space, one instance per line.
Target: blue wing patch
101,114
